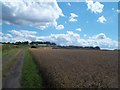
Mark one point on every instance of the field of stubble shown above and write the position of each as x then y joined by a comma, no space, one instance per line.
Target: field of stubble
64,68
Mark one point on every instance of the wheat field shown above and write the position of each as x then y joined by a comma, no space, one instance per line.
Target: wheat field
66,68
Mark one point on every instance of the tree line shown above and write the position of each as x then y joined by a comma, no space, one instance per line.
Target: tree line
27,43
53,44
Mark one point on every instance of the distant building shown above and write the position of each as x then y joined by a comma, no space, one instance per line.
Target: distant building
42,45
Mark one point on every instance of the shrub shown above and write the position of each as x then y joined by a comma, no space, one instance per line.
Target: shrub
33,47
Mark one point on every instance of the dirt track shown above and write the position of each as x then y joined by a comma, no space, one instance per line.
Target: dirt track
13,79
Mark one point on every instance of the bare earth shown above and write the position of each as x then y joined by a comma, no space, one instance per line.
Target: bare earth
13,79
78,68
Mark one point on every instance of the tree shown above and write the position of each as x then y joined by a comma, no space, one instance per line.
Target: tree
97,48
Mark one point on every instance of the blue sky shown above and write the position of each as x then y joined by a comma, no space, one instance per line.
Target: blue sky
84,15
87,23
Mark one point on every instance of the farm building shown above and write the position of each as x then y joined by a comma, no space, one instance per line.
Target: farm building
42,45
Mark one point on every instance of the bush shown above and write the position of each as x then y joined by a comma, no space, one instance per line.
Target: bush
33,47
97,48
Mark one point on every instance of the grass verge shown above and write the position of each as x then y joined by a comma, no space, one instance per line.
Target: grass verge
30,73
9,64
7,52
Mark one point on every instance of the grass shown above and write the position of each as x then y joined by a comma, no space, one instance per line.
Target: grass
6,47
30,73
9,60
7,52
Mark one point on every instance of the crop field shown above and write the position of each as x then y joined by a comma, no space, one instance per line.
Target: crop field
44,67
66,68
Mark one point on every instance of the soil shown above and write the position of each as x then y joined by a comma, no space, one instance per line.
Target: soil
13,79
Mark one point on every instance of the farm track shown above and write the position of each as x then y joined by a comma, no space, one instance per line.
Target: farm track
8,61
78,68
13,78
9,56
0,69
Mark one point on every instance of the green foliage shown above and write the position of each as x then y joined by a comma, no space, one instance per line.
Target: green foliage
30,73
6,47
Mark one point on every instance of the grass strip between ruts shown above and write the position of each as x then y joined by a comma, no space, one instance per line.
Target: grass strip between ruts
30,73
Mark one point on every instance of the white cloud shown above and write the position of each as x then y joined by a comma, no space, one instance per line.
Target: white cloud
9,35
113,9
95,7
73,17
79,29
68,4
101,19
38,14
69,38
98,36
23,35
85,35
103,41
59,27
118,10
1,34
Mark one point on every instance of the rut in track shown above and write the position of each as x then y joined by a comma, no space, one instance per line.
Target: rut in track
13,79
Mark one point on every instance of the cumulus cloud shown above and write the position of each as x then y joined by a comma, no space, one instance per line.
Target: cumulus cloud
9,35
1,34
103,41
63,39
79,29
73,17
71,38
39,14
68,4
68,38
118,10
85,35
99,36
59,27
101,19
113,9
95,7
21,35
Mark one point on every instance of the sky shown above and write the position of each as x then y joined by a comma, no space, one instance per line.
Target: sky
88,23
